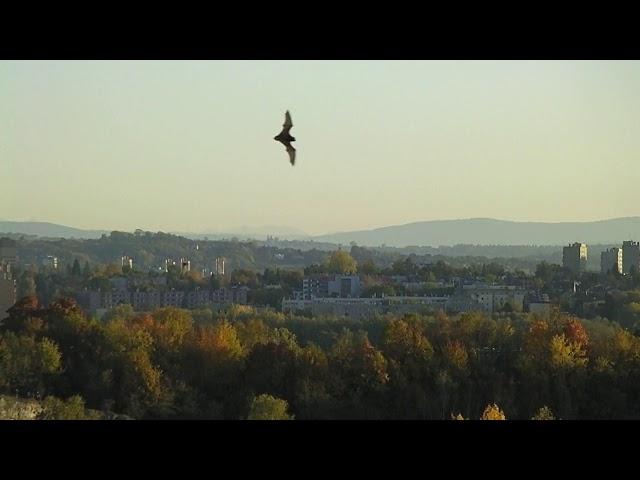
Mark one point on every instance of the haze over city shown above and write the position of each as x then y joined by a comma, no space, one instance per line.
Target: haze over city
188,146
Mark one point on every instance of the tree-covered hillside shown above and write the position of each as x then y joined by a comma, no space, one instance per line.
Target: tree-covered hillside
239,364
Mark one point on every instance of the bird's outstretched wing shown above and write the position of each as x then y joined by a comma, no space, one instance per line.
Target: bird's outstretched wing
287,120
292,153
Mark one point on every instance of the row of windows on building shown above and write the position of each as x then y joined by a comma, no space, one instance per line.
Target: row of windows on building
94,300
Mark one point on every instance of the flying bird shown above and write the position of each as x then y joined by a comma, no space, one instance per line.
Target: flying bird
285,138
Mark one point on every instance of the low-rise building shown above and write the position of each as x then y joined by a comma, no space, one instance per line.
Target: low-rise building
172,298
538,303
495,297
145,300
198,298
119,283
323,286
366,307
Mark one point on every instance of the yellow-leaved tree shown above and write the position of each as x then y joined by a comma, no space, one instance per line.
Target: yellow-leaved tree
342,262
493,412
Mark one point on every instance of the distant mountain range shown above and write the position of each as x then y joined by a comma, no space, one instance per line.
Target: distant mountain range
474,231
49,230
244,232
487,231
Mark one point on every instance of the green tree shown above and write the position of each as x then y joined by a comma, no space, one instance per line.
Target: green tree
342,262
124,312
267,407
26,285
113,269
544,413
75,270
403,266
271,368
72,408
379,291
216,281
368,267
26,364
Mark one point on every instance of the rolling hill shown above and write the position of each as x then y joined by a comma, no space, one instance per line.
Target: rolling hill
487,231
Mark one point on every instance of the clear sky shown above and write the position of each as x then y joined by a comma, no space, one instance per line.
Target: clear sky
188,146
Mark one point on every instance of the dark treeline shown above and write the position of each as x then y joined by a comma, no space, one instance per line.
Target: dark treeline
149,250
174,363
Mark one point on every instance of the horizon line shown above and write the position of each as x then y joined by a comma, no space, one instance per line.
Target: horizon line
306,235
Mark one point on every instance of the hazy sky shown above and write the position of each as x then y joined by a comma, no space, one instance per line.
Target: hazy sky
188,146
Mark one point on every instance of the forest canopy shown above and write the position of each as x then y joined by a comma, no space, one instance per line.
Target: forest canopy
241,363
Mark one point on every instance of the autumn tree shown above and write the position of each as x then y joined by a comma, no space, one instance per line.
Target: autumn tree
565,353
252,332
405,341
213,359
312,398
25,316
493,412
135,381
360,374
455,353
170,327
575,332
409,354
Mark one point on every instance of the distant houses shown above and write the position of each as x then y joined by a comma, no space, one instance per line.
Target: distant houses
340,295
150,298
